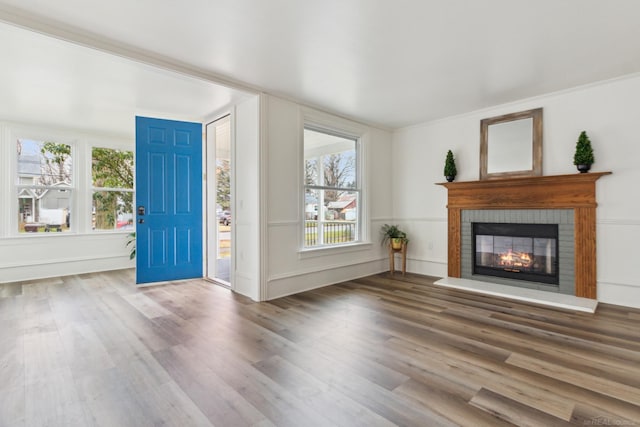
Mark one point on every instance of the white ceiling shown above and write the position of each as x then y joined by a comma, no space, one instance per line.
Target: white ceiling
393,63
48,81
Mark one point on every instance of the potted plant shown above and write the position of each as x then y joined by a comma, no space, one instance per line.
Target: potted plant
583,158
450,170
131,241
392,235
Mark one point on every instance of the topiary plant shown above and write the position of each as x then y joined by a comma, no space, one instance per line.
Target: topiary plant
450,165
584,151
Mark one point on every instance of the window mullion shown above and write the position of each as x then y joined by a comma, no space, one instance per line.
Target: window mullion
320,187
320,226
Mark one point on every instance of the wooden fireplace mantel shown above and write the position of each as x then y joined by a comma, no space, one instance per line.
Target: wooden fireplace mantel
575,191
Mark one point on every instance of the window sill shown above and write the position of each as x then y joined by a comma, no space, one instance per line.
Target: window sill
60,235
43,234
333,250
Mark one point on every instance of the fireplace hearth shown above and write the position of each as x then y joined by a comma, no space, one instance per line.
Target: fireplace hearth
526,252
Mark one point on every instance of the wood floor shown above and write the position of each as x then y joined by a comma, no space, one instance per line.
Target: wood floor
94,350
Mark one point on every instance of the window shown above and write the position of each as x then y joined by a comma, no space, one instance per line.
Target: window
332,191
112,181
59,182
44,186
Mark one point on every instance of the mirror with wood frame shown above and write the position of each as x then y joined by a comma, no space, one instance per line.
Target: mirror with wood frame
511,145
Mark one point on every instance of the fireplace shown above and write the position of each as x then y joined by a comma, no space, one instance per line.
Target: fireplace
527,248
527,252
570,198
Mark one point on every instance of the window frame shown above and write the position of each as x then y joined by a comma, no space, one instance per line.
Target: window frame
93,189
82,144
17,134
331,125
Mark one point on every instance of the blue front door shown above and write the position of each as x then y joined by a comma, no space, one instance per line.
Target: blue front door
168,200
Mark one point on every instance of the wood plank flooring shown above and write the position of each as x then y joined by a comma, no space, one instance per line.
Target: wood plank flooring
94,350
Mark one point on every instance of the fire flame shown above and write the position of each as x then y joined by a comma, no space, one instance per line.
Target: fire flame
515,259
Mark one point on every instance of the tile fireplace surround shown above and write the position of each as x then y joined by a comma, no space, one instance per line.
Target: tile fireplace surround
576,192
562,218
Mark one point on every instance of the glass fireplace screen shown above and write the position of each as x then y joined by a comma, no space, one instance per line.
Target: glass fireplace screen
520,251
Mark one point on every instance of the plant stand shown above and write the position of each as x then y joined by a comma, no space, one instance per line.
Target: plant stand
403,252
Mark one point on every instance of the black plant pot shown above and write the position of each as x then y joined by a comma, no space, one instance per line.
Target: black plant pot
450,178
583,168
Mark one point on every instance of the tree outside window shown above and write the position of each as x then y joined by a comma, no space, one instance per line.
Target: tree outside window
112,179
223,184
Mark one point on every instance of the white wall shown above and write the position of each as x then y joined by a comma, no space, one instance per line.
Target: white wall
290,270
246,267
267,261
29,256
608,111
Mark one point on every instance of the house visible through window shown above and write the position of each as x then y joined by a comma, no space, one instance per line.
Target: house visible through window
112,181
332,190
44,186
